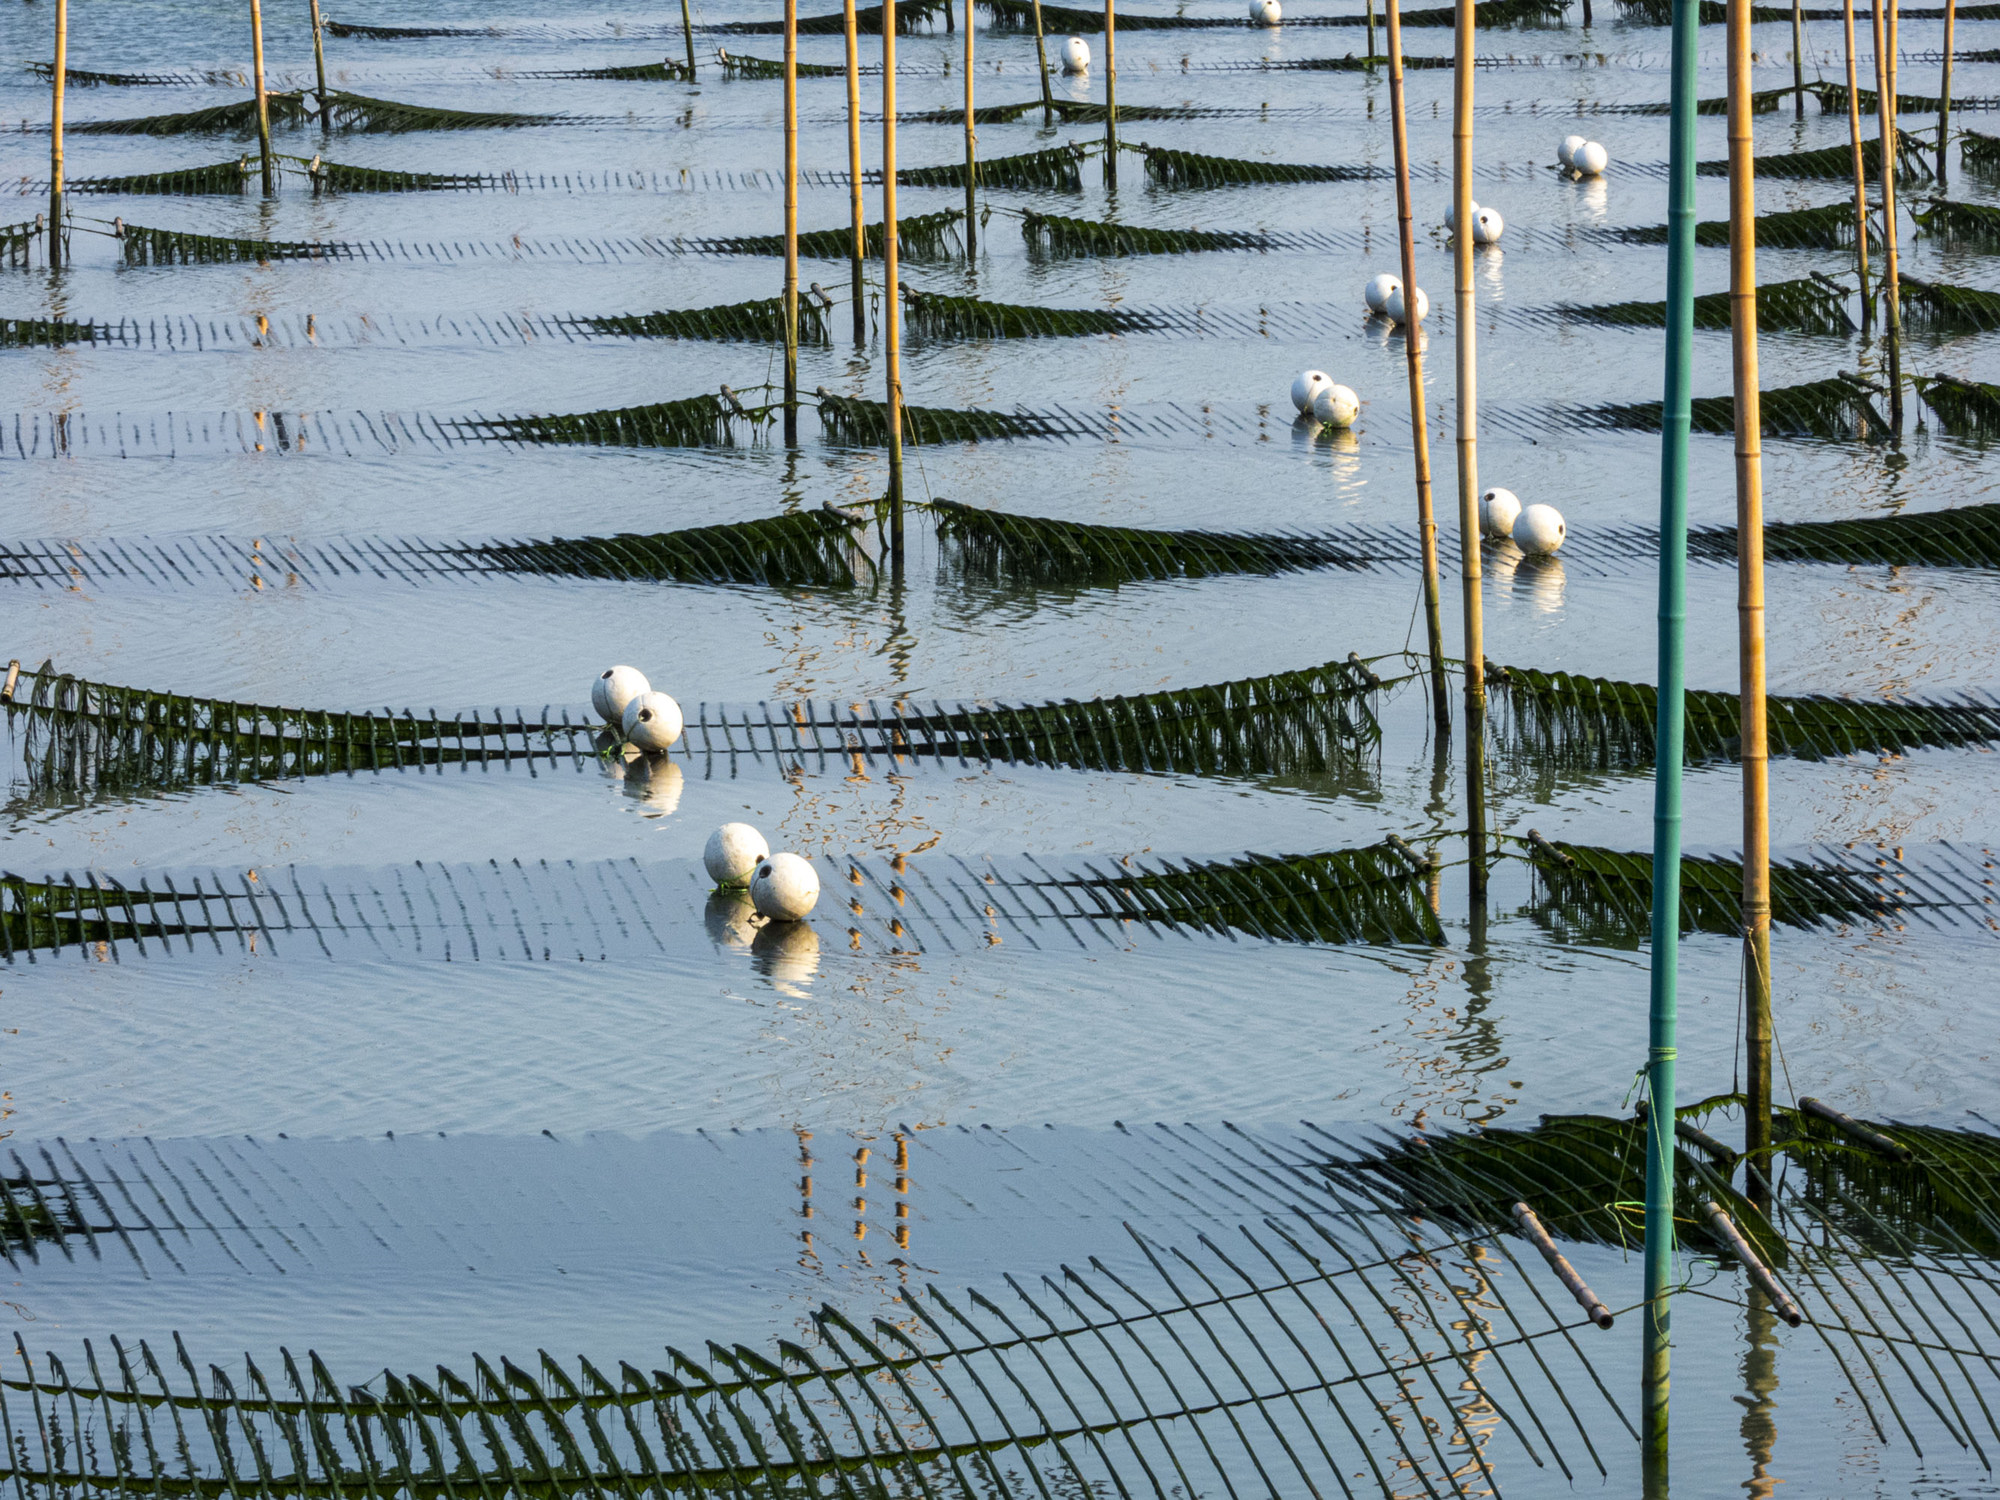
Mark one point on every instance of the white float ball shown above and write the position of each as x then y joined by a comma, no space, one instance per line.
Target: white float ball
1590,159
1498,510
1308,385
1265,13
1336,405
652,722
1540,530
1487,226
1566,152
784,887
1076,55
1398,310
1376,293
1451,215
734,851
615,687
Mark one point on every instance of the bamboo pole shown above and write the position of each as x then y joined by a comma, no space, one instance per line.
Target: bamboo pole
61,76
1860,169
1886,112
1110,95
1042,62
263,99
971,150
1413,347
791,221
1371,30
1663,1000
1944,93
858,290
1468,453
1756,756
319,66
892,343
687,35
1798,62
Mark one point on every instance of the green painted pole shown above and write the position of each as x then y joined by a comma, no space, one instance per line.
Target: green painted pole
1661,1055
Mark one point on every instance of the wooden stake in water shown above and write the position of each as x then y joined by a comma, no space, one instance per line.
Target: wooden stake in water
1042,63
1465,330
1860,169
971,150
1110,95
1756,755
319,65
1371,30
892,341
61,76
263,99
858,292
1944,92
1798,62
1413,346
687,35
791,221
1892,293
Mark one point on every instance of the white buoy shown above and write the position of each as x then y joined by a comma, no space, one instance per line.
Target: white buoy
615,687
1376,293
1265,13
1076,55
784,887
733,854
652,722
1336,405
1498,511
1540,530
1397,310
1590,160
1451,216
1566,152
1308,385
1487,226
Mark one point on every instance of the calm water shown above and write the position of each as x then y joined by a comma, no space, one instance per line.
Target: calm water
595,1151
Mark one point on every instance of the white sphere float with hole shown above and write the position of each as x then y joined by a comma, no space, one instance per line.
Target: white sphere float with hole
615,687
1566,152
1487,226
1590,160
1076,55
1396,306
733,853
1540,531
1265,13
652,722
1336,405
1376,293
1451,216
1308,385
1498,511
784,887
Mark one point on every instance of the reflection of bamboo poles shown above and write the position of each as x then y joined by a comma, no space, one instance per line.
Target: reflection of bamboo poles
1413,345
263,98
60,76
1110,94
319,66
1860,169
1042,63
857,293
1468,453
1885,110
791,222
1944,92
971,148
1760,1379
892,344
1750,590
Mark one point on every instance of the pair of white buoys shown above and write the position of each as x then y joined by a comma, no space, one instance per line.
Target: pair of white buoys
1384,295
1539,530
651,721
784,887
1076,55
1487,225
1265,13
1585,158
1314,393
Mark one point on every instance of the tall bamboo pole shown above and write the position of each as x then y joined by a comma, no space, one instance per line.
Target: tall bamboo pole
858,292
1468,453
263,99
1944,92
1798,62
1042,62
1750,598
1860,169
319,66
791,221
971,150
687,35
1663,1006
1371,28
892,341
1413,347
1110,95
61,77
1892,292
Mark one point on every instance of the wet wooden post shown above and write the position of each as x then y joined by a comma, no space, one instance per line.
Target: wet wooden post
1798,62
263,99
1886,112
1750,599
1371,30
859,250
791,222
59,78
687,35
892,343
1413,346
1110,95
1944,93
1860,170
1466,338
971,150
1042,63
319,66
